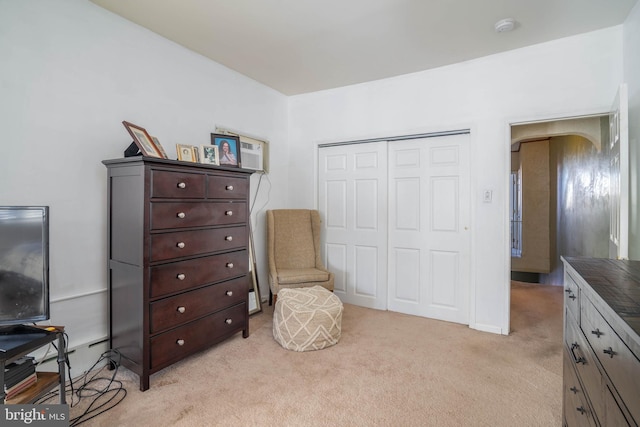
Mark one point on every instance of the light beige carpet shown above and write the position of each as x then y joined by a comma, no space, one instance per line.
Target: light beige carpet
388,369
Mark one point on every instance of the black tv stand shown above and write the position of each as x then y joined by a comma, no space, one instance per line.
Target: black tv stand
19,340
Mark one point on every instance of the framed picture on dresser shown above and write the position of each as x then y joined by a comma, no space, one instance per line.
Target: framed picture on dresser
228,149
186,153
209,154
159,147
144,141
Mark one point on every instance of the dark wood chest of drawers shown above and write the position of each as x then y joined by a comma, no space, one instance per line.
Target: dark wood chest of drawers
178,262
601,374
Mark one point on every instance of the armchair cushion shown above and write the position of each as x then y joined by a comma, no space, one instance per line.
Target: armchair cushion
286,276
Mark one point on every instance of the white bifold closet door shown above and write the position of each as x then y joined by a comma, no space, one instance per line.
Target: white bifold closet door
352,190
396,224
429,211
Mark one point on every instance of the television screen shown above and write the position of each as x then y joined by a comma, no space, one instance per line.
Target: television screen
24,264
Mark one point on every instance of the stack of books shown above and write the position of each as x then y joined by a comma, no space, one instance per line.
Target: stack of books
18,376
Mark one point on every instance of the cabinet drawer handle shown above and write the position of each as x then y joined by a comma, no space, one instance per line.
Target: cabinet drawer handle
181,276
229,265
597,333
574,390
572,296
182,309
568,290
228,321
228,213
181,245
577,359
181,215
229,187
229,293
180,342
610,352
228,238
182,185
581,410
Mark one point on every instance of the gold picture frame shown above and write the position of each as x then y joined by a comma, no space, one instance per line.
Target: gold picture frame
186,153
143,141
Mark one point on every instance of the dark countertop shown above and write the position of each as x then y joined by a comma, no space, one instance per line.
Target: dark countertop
617,282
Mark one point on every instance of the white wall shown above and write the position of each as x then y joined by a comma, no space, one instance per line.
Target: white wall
70,72
631,45
572,76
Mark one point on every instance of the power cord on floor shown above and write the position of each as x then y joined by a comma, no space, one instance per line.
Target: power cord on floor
102,391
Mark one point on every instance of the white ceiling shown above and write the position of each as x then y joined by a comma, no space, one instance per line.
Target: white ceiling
299,46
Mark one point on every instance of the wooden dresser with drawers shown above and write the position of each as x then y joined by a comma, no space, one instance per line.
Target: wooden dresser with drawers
601,375
178,262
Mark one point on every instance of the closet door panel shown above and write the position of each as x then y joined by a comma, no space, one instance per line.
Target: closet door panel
352,188
429,211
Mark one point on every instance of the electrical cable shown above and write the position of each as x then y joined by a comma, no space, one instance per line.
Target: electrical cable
256,195
103,397
46,351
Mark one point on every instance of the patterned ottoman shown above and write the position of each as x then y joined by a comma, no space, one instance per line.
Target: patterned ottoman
307,319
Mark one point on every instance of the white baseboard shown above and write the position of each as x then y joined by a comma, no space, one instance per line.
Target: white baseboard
488,328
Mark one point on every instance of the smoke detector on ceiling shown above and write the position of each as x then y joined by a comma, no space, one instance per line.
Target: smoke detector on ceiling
505,25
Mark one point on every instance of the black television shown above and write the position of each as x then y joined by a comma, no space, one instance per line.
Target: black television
24,265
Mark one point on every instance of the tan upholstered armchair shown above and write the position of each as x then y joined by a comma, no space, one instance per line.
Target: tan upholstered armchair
293,247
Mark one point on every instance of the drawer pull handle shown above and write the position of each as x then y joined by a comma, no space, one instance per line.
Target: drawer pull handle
229,293
229,265
574,390
182,185
581,410
180,342
181,276
228,238
610,352
228,321
568,290
572,296
228,213
229,187
181,215
597,333
182,309
181,245
577,359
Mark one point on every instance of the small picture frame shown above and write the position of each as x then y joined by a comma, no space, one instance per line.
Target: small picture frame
159,147
143,140
209,154
228,149
186,153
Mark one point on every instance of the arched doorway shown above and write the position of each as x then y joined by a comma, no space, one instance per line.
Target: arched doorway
563,187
